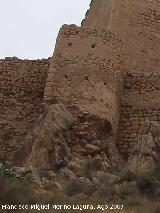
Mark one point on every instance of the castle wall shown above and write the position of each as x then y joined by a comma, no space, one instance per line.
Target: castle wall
138,25
22,85
141,101
100,14
85,72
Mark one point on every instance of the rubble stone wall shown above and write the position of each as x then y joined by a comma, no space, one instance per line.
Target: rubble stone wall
140,101
85,71
22,84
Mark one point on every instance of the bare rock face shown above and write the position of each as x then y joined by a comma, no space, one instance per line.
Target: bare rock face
76,140
146,154
69,149
92,136
50,138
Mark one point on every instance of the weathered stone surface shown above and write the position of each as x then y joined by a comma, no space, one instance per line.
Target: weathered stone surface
50,138
106,177
86,74
92,149
146,154
92,136
140,102
22,84
137,24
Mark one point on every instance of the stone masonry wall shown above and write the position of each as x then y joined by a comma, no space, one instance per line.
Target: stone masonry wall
22,85
141,101
138,25
85,72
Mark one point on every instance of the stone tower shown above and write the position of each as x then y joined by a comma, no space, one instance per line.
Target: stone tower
138,25
85,72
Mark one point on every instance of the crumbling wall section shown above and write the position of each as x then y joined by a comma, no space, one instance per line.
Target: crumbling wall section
22,85
85,72
140,102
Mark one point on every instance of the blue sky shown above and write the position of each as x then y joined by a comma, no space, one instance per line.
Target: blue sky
28,28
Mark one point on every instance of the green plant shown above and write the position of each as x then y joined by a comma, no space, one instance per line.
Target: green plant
128,176
156,173
106,191
146,185
6,168
90,167
77,187
92,99
126,190
74,187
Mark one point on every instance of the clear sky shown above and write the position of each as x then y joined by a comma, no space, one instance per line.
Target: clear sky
28,28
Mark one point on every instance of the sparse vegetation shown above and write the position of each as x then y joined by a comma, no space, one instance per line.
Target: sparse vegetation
77,187
5,168
146,185
127,176
127,190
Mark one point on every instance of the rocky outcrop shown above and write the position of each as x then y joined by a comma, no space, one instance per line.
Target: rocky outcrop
146,154
69,144
59,133
92,136
50,138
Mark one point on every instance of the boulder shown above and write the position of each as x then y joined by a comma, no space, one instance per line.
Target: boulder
146,154
81,197
93,135
50,138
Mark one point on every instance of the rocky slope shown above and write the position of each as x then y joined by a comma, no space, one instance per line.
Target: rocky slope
75,154
64,145
58,135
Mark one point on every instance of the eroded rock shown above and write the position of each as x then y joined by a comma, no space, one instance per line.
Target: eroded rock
146,154
50,138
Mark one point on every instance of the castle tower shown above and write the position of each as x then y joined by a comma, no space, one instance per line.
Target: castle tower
138,25
85,72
